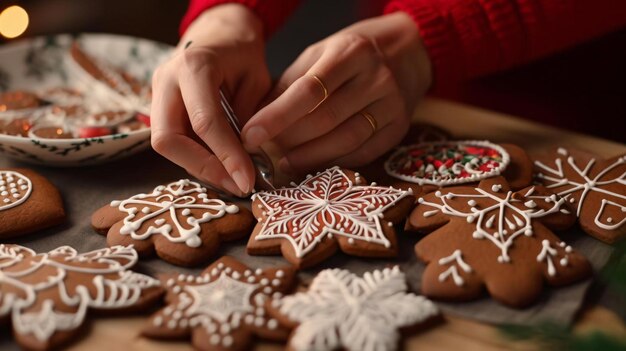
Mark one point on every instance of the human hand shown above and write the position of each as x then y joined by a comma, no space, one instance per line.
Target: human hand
373,73
224,47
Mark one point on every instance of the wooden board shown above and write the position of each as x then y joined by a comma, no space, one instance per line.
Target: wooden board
454,333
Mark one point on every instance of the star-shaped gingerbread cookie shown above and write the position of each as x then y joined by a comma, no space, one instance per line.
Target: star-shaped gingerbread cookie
333,209
594,186
223,307
341,311
182,221
489,237
47,296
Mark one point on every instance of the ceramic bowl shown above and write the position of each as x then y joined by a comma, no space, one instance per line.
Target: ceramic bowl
44,62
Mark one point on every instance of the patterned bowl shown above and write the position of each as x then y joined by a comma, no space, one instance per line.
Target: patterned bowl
41,63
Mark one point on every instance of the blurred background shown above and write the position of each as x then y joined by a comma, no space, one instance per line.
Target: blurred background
584,86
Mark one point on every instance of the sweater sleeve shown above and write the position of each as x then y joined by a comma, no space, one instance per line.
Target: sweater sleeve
273,13
471,38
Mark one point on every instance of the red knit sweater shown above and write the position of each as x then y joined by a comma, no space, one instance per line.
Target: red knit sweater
471,38
581,89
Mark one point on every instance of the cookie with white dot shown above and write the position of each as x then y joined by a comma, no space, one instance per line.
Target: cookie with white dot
334,209
222,308
28,202
183,222
488,237
595,187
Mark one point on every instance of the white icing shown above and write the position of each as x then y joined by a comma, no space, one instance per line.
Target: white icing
181,196
609,225
15,198
492,221
111,286
343,311
546,254
322,206
554,178
457,259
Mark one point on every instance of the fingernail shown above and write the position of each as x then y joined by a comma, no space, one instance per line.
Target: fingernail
285,166
242,181
256,136
231,187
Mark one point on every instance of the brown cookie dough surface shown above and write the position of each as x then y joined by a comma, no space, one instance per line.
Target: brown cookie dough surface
28,203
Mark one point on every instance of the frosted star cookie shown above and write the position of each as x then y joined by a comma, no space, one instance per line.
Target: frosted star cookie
223,308
341,311
334,209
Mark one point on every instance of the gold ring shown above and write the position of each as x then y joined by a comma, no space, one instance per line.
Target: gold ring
323,86
371,120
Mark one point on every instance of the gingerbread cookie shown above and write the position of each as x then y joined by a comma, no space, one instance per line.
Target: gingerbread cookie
182,221
341,311
223,307
18,126
428,166
28,202
47,296
490,237
18,100
594,186
335,208
116,79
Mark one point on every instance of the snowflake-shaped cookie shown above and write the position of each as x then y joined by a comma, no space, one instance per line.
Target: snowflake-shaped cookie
595,187
47,295
490,237
223,307
333,208
183,221
28,202
343,311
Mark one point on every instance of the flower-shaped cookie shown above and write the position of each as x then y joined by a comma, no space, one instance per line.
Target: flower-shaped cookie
47,296
595,187
333,208
182,221
28,202
223,307
490,237
342,311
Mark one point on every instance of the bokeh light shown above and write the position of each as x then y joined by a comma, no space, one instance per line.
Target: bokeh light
13,22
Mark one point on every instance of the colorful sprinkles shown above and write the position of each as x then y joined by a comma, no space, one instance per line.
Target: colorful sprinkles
448,162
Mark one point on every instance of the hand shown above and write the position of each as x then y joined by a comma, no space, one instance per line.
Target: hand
223,48
376,68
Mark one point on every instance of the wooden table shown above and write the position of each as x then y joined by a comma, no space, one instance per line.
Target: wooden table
455,333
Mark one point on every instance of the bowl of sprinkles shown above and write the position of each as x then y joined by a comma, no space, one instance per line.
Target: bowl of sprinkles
447,162
76,100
